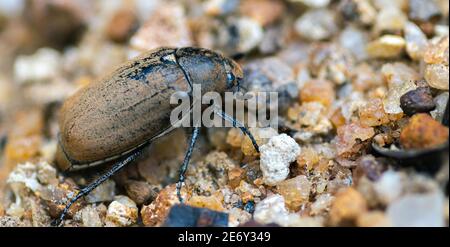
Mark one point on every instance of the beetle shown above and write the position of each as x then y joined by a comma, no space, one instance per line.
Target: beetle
117,116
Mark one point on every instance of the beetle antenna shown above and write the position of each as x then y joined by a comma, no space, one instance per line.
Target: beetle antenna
86,190
185,164
238,124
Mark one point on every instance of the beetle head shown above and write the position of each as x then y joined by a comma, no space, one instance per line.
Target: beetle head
234,75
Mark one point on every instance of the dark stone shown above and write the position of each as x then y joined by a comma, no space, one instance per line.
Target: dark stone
416,101
182,215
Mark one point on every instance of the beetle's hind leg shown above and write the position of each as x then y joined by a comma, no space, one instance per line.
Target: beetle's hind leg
186,160
238,124
86,190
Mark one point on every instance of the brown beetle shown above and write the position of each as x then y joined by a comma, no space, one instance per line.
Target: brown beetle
120,114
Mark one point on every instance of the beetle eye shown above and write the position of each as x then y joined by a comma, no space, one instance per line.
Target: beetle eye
230,80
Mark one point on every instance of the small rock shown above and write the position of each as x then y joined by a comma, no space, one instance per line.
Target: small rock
370,167
437,52
401,79
416,41
437,76
313,3
417,210
272,210
418,100
387,46
355,41
390,186
121,212
441,102
295,191
358,10
261,135
46,174
122,25
390,20
140,192
422,131
322,204
11,221
156,212
89,217
265,12
220,7
316,24
213,202
165,27
348,137
321,91
105,192
187,216
238,217
235,176
42,66
241,36
348,205
423,10
373,219
373,114
276,156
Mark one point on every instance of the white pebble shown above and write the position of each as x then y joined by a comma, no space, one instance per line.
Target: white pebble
121,212
276,156
40,66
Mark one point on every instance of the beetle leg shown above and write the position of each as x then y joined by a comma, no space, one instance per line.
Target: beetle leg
86,190
185,164
238,124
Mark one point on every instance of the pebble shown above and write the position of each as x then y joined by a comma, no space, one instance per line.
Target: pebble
295,191
165,27
322,204
348,205
321,91
272,210
156,212
276,156
122,25
423,10
373,114
241,36
105,192
349,136
416,41
237,217
89,217
417,210
441,102
355,41
265,12
373,219
390,20
220,7
371,167
437,76
387,46
316,24
361,11
121,212
42,66
401,79
390,186
261,135
422,131
418,100
313,3
140,192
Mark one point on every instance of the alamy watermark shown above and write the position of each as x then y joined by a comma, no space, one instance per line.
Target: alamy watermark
252,109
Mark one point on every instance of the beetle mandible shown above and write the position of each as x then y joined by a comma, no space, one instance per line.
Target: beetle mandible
117,116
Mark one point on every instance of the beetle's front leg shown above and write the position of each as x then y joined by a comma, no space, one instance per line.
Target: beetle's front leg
185,164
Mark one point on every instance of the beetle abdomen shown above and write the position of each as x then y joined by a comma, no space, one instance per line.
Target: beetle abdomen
121,111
